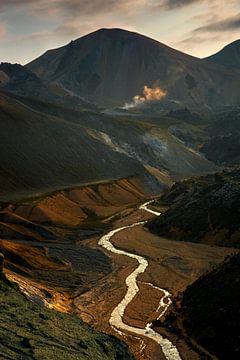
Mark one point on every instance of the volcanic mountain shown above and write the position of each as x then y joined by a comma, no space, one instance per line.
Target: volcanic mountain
111,66
229,56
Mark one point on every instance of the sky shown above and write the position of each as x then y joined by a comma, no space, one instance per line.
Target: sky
198,27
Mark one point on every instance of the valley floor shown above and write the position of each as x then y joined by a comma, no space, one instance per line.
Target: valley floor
172,266
65,268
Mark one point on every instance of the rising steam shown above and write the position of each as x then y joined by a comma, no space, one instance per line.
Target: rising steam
149,94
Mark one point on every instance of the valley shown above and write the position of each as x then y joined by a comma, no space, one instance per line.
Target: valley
119,202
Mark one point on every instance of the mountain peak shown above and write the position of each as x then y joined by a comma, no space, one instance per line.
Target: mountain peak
119,33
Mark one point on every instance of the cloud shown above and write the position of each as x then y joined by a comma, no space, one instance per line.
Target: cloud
171,4
73,18
229,24
194,41
211,31
76,7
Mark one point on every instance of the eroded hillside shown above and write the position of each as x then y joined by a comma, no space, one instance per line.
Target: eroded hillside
204,209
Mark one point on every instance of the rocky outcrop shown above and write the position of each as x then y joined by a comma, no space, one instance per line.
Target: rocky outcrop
204,209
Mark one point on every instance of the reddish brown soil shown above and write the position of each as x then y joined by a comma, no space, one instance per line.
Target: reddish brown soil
34,232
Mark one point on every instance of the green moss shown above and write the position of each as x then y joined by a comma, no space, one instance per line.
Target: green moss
30,331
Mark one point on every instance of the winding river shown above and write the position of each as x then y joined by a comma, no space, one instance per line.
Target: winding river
116,319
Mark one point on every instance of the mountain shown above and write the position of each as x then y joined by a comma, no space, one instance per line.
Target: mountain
210,310
229,56
111,66
204,210
31,331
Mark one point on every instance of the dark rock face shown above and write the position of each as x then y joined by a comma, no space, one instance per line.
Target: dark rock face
223,150
204,209
132,61
229,56
223,147
210,308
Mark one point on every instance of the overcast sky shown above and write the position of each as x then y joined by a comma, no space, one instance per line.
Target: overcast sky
198,27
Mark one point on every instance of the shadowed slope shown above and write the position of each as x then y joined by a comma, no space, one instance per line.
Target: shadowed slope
210,307
40,153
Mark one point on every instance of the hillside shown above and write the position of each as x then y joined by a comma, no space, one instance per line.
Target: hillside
210,310
34,144
132,61
84,148
229,56
204,210
31,331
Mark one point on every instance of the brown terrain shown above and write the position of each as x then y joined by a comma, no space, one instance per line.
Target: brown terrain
51,250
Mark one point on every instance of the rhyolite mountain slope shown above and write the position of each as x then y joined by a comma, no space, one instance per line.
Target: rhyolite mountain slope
31,331
229,56
45,148
204,209
210,310
111,66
